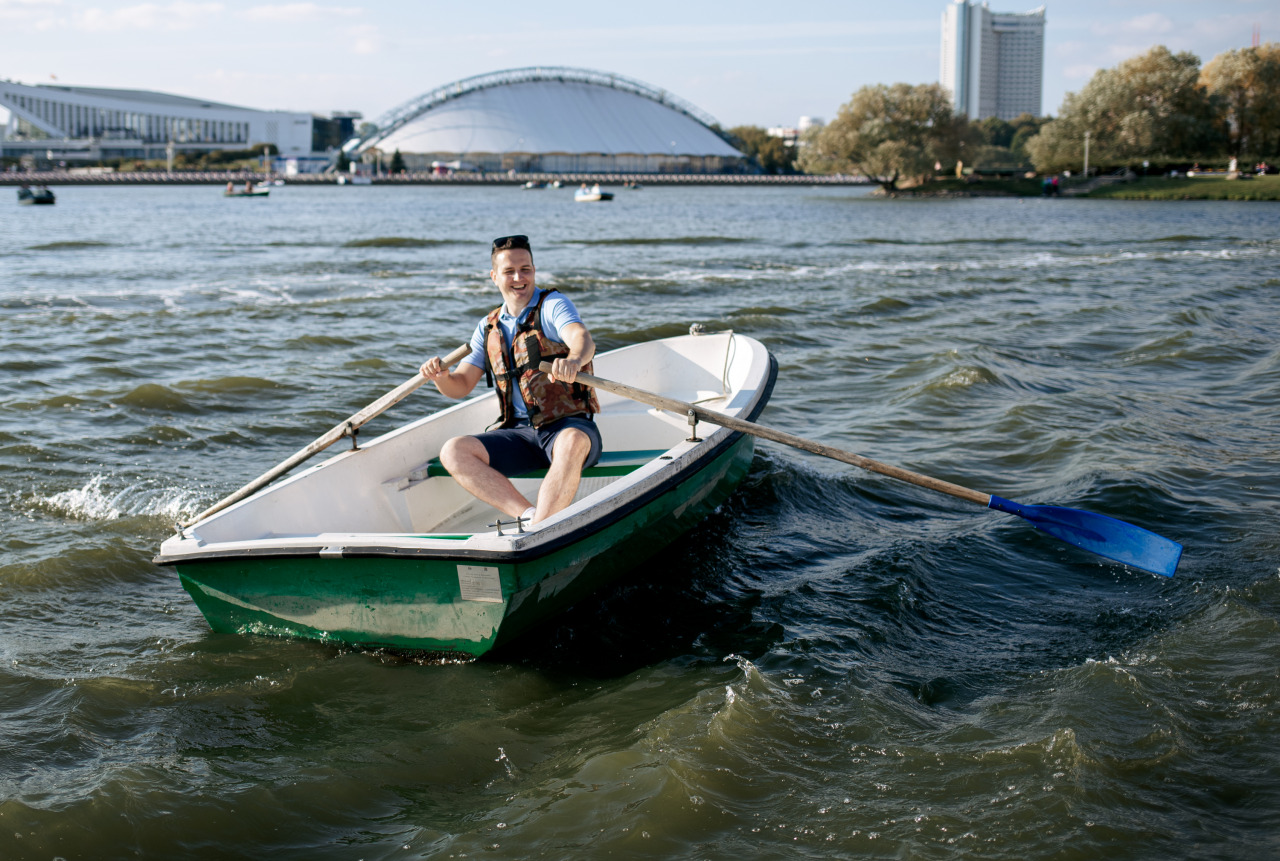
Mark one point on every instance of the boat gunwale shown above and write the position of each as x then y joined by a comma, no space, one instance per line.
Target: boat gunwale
522,552
525,549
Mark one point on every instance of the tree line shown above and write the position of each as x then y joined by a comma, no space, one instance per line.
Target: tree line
1159,107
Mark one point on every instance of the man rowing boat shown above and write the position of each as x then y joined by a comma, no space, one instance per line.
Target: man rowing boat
546,420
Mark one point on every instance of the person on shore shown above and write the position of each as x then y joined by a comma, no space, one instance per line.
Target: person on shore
546,420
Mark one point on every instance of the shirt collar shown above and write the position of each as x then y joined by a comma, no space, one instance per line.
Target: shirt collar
533,301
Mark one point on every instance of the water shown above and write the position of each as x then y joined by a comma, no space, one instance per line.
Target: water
833,665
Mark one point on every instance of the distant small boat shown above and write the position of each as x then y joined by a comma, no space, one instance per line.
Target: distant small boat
634,186
270,182
30,197
591,195
355,179
254,192
533,183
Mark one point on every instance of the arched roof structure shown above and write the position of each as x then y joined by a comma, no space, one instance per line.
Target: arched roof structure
543,110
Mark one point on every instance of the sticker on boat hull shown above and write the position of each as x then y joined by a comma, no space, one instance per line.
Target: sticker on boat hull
479,583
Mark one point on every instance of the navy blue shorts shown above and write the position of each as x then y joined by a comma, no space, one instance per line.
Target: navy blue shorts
517,450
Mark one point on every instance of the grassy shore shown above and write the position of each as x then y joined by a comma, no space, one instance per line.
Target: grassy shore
1151,188
1192,188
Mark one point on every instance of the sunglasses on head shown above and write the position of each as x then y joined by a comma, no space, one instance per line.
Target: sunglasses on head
507,243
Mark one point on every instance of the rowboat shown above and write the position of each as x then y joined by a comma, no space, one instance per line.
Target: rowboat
29,197
257,191
592,195
378,547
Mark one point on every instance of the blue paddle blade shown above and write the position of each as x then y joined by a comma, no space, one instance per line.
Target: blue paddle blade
1100,534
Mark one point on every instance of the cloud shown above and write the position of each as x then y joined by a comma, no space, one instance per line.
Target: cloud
180,15
367,40
1079,71
30,14
1150,25
299,12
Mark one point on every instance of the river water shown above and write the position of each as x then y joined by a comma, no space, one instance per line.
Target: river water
833,665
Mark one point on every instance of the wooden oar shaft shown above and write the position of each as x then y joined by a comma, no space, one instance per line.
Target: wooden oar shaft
345,428
715,418
1097,533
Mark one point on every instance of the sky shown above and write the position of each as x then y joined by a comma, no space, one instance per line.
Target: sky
746,62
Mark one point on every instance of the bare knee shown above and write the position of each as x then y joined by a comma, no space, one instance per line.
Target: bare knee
461,451
572,447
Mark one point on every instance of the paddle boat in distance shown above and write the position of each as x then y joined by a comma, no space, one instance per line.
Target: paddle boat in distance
378,547
35,196
534,183
247,190
592,194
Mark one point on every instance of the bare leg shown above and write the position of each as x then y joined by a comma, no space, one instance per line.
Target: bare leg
567,457
468,462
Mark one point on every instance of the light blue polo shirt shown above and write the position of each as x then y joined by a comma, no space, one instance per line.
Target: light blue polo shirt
557,312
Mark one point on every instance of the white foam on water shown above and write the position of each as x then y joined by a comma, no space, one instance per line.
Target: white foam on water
96,500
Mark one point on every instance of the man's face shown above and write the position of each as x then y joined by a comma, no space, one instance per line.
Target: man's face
513,273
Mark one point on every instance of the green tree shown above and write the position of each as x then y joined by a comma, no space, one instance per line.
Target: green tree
1246,85
889,133
995,131
397,162
771,153
1025,127
1149,105
998,145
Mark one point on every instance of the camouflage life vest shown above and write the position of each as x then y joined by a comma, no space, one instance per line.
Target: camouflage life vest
546,400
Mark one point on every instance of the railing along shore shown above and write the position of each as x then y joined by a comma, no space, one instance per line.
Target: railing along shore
208,177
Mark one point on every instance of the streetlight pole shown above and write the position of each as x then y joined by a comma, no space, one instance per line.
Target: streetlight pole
1086,155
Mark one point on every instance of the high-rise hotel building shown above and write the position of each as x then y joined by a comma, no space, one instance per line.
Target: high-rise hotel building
992,62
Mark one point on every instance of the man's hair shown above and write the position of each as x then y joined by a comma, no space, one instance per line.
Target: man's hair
510,243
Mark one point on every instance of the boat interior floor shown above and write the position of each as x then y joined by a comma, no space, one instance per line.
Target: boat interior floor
437,504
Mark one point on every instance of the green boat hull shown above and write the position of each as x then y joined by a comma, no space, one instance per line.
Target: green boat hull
451,604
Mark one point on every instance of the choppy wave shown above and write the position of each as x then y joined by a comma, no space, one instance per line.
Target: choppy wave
153,396
69,245
98,500
398,242
665,240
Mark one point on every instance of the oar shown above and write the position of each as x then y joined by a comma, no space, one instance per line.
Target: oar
346,428
1096,533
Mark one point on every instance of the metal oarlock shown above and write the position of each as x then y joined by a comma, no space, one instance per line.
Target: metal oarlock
693,427
352,431
519,523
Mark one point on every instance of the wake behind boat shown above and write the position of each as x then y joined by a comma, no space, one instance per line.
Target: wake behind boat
380,547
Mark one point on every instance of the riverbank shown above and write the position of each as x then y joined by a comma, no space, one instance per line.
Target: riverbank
1192,188
1150,188
222,177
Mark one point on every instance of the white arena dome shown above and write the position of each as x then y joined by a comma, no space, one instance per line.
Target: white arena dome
552,120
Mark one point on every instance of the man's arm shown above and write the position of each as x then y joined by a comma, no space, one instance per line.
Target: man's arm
452,384
581,350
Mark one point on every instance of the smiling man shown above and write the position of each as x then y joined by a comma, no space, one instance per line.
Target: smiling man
546,420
